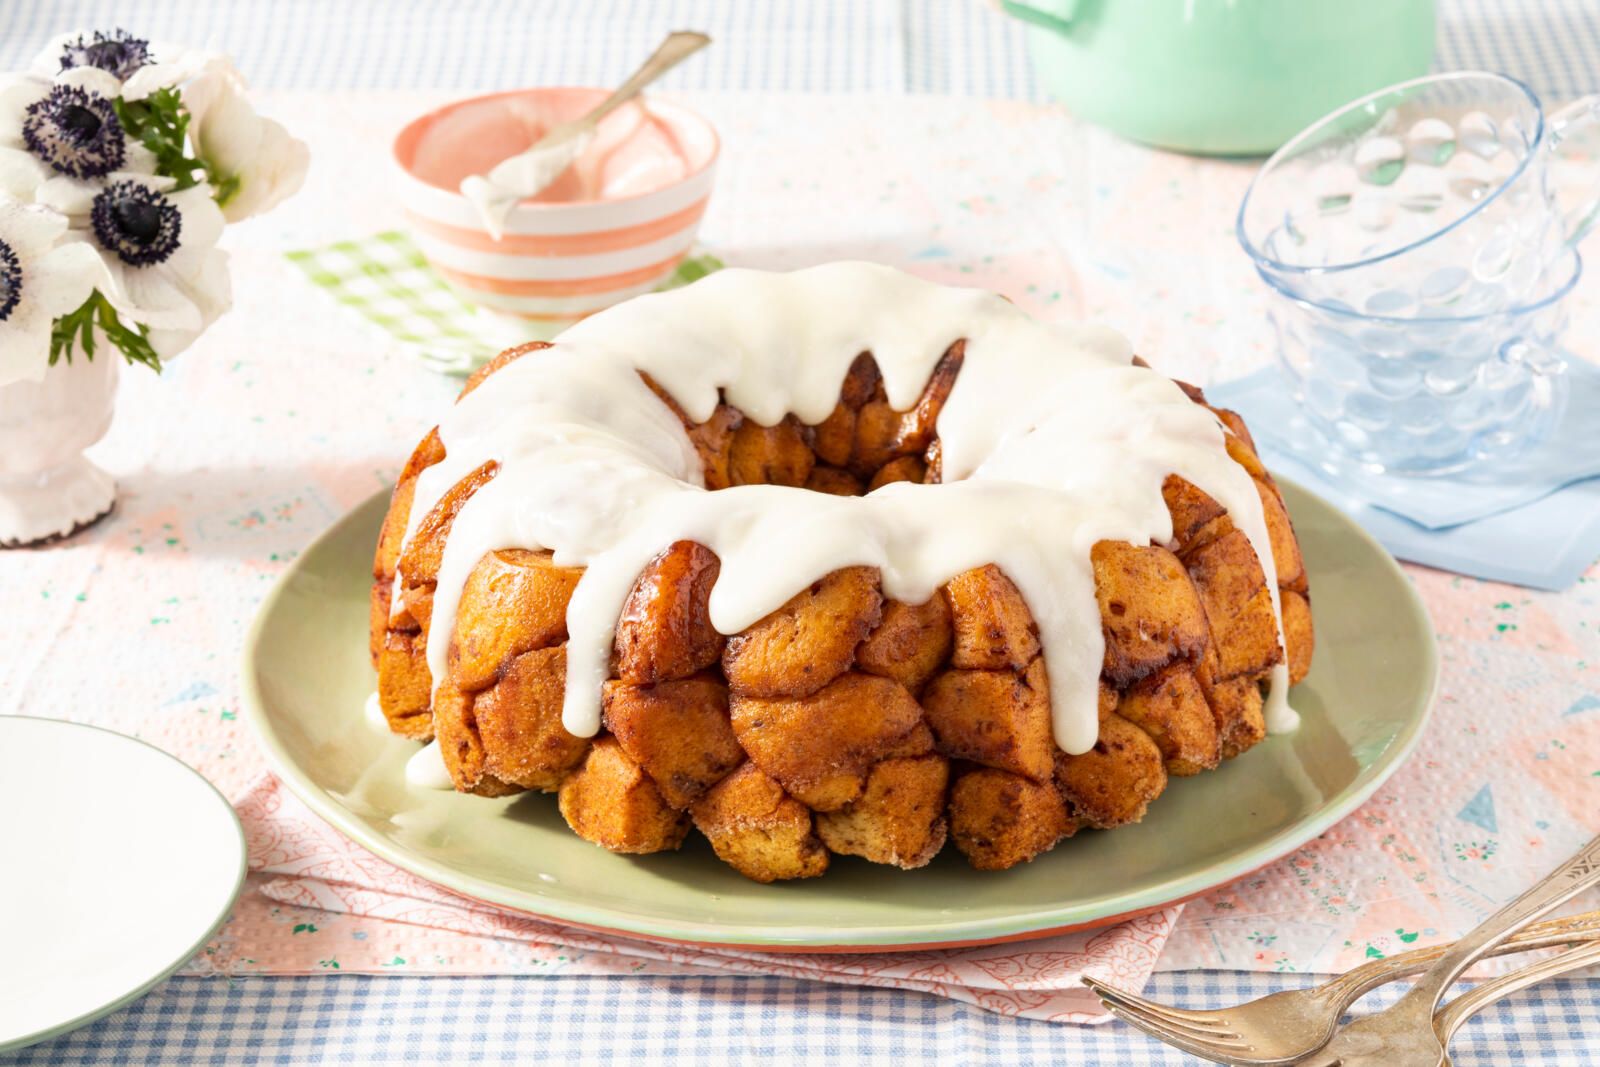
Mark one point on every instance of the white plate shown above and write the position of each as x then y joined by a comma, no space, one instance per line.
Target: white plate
119,864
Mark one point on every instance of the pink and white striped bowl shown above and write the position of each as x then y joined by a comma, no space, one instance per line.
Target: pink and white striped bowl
561,257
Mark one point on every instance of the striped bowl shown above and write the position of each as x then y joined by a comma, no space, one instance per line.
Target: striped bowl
559,259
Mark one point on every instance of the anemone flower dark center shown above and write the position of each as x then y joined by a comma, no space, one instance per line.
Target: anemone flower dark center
141,222
81,122
137,223
118,53
76,132
10,281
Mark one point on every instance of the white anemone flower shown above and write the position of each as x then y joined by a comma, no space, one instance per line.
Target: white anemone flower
20,172
211,290
118,53
153,240
169,65
40,280
66,128
139,67
253,154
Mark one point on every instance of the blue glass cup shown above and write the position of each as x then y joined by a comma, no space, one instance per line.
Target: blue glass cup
1434,197
1418,243
1426,395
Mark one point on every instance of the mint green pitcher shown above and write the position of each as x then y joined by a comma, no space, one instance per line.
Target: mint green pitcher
1221,77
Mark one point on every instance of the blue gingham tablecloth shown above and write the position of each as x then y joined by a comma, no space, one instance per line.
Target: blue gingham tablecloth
879,46
703,1020
962,47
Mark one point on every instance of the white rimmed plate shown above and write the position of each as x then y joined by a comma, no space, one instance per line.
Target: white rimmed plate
119,864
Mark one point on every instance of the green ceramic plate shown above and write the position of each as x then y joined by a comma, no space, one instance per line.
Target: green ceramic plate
306,677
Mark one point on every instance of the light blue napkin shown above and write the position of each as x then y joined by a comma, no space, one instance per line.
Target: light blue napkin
1534,521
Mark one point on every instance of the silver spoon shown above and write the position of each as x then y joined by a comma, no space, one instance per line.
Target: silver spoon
529,172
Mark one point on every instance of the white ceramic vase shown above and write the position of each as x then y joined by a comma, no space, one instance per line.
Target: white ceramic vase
48,488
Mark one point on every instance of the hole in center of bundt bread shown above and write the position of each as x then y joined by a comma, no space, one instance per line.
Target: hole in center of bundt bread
863,444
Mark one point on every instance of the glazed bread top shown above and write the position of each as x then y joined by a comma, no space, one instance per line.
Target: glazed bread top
1050,439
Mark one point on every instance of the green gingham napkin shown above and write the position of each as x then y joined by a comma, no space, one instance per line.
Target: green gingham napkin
385,279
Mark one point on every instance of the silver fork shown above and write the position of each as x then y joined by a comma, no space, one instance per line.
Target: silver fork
1283,1027
1287,1027
1474,1000
1402,1035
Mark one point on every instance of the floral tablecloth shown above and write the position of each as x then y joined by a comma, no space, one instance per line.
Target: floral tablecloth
289,412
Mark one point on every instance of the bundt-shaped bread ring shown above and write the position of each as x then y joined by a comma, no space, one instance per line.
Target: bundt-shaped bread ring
846,721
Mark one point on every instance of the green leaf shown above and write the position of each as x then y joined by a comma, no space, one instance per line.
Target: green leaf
78,328
160,123
223,187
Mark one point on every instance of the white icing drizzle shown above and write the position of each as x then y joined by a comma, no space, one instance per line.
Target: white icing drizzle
1051,440
425,768
373,710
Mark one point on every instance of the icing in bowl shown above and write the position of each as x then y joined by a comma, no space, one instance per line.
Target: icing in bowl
612,226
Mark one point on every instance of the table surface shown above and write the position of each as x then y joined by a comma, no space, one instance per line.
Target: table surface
888,46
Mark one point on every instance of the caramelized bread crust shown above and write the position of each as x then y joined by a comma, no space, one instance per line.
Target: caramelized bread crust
845,722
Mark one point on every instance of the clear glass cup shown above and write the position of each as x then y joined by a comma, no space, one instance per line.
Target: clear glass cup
1431,198
1426,395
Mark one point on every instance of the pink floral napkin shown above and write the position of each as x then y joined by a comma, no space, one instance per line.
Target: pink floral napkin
299,862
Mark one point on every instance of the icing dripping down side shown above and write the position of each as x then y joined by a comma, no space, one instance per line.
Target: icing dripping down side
1051,440
426,770
372,711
